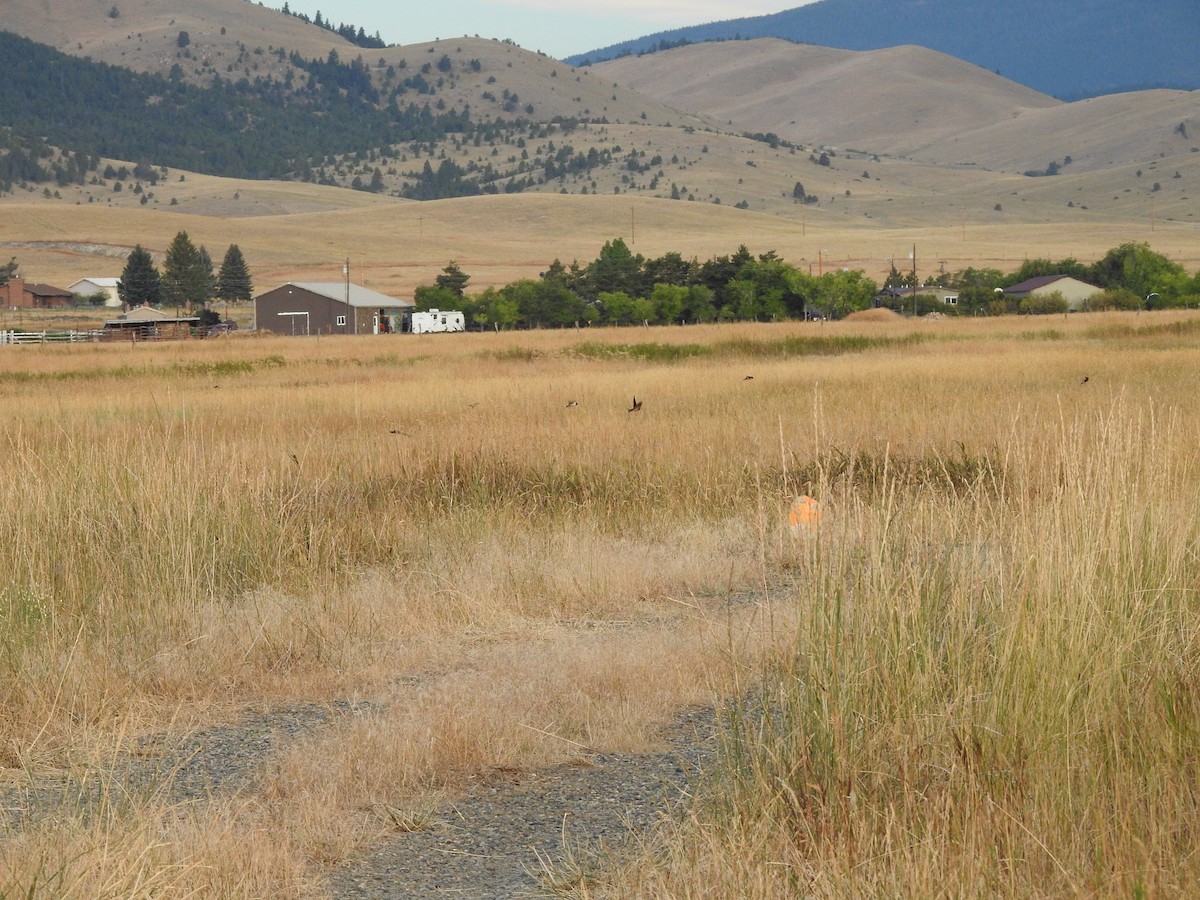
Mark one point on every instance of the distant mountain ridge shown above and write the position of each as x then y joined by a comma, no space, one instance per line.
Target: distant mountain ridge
1069,50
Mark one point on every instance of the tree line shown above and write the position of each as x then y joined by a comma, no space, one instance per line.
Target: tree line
621,287
187,280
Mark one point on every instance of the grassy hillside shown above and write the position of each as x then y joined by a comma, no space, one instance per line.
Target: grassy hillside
889,101
1070,49
892,149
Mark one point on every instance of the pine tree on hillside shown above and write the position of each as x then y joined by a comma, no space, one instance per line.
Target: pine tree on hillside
184,280
140,283
233,281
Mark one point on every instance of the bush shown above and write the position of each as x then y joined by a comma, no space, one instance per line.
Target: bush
1043,304
1113,298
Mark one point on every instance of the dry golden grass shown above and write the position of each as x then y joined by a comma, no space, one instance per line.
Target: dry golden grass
393,247
192,528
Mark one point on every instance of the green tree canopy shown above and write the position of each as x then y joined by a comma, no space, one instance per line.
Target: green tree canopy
184,279
140,282
433,296
453,279
1136,267
233,281
8,270
616,269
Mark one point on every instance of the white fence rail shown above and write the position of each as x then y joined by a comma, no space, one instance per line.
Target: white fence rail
47,337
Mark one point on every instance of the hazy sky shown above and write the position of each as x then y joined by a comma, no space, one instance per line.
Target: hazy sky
557,27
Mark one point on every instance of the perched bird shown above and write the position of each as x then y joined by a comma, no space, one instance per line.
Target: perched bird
637,406
572,403
1085,380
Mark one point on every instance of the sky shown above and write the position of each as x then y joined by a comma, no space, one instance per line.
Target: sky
558,28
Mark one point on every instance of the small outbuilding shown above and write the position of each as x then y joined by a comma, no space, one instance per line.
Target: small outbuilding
328,307
144,323
1074,291
896,297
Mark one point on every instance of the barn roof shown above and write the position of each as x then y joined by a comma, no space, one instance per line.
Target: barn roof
359,296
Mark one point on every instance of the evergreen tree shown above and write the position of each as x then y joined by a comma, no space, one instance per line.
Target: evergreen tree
8,270
453,279
184,281
210,278
140,283
233,281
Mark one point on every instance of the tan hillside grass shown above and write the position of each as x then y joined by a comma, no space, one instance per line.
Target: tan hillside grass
945,150
999,583
910,102
892,101
393,247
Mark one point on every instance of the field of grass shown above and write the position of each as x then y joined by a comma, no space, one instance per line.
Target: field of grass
977,677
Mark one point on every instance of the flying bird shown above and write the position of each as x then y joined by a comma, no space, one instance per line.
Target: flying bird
748,378
572,403
637,406
1085,380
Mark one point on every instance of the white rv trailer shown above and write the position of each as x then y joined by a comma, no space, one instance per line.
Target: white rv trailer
432,322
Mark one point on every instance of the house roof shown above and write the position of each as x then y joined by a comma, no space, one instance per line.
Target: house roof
359,296
46,290
924,289
101,283
1041,281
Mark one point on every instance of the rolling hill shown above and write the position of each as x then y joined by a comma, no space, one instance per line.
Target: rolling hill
1070,49
828,156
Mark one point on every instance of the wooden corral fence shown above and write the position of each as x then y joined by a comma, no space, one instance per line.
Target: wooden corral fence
48,337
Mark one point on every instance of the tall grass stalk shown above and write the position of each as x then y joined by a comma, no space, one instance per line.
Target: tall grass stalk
989,692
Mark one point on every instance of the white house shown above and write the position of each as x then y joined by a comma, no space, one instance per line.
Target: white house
90,287
1073,290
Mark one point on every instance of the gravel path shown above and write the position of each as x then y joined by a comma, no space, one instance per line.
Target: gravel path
491,842
215,762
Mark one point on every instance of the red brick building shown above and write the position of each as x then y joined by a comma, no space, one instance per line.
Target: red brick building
17,294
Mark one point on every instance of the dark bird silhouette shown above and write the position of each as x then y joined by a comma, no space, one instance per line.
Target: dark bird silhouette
397,431
748,378
1085,380
637,406
572,403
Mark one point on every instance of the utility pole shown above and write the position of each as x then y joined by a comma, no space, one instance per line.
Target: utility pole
349,309
914,278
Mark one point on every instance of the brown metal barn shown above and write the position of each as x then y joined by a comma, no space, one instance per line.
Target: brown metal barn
327,307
